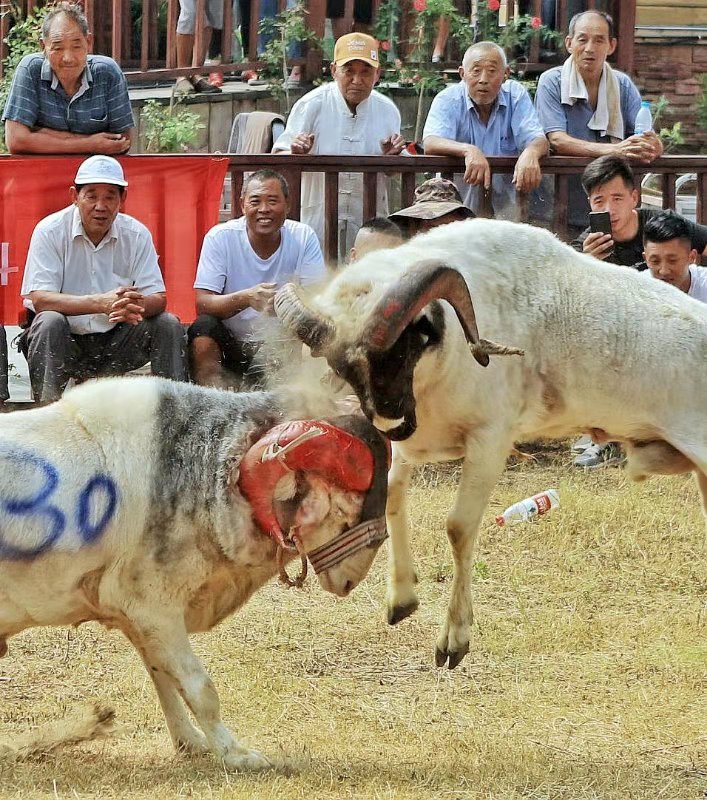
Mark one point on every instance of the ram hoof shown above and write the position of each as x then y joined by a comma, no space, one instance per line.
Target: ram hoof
455,658
397,614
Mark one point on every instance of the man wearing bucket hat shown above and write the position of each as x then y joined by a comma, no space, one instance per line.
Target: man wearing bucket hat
346,117
437,202
95,292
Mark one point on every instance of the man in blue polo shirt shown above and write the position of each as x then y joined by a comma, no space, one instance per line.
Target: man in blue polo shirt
64,100
487,115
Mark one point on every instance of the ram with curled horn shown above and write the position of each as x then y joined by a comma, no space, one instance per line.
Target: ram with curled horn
404,327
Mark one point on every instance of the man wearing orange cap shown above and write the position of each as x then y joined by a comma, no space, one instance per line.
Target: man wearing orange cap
347,118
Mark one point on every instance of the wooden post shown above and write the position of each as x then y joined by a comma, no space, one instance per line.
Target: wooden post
668,188
253,34
117,38
236,189
370,195
534,49
702,198
407,189
88,9
331,216
145,36
625,31
227,33
199,26
561,206
4,30
172,15
316,19
294,185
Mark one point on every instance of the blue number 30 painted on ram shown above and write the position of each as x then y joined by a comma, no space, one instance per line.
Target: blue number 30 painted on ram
92,510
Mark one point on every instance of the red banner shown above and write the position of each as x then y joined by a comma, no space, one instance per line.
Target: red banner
177,197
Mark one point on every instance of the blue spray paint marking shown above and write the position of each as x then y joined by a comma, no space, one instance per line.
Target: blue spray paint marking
101,485
95,506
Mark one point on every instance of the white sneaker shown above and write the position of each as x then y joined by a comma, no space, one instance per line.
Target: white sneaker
600,455
582,443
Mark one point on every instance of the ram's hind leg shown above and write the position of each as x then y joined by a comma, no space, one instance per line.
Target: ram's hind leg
401,599
702,485
482,467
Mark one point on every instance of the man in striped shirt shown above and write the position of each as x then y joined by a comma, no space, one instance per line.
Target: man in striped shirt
64,100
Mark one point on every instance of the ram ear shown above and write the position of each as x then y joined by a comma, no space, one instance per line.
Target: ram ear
315,505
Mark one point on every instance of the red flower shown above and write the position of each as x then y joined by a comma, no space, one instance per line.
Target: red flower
419,5
493,5
385,45
535,23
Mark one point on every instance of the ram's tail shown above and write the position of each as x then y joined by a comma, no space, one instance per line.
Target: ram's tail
82,725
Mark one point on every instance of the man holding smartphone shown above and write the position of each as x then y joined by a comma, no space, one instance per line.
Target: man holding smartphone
610,186
615,235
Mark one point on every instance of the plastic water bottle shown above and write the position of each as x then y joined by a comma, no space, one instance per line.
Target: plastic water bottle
644,119
530,508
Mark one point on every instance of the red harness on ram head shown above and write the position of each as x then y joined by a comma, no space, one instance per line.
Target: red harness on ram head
326,450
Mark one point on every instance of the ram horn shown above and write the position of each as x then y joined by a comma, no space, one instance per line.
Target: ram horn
420,285
313,328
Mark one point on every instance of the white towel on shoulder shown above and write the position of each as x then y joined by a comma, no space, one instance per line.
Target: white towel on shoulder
607,118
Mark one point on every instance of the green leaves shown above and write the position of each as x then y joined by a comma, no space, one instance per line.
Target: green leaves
22,39
167,130
288,28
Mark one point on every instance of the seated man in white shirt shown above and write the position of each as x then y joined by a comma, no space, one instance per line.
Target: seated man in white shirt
670,256
347,118
95,289
242,264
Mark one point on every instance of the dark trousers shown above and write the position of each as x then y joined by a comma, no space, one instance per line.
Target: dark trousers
55,354
238,357
4,392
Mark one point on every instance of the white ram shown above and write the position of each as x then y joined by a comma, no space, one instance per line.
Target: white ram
605,348
146,504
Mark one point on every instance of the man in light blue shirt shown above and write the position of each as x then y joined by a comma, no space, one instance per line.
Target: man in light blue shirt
487,115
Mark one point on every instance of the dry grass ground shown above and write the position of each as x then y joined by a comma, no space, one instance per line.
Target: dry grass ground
586,678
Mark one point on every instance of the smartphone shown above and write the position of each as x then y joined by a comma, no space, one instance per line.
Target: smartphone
600,222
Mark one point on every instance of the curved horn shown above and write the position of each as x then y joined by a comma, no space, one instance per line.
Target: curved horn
313,328
420,285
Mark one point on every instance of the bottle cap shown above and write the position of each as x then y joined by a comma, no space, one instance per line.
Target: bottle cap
500,521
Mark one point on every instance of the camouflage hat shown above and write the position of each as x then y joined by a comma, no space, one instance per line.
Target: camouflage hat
434,198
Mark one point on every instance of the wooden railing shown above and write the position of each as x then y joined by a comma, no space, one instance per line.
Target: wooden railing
411,170
152,55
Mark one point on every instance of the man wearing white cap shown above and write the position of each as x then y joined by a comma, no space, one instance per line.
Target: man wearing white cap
347,118
95,290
